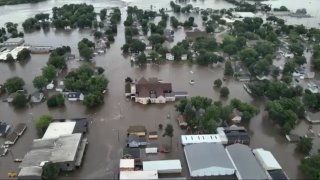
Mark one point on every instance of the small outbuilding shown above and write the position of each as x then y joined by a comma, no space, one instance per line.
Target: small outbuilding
163,166
137,130
37,97
135,141
126,165
75,96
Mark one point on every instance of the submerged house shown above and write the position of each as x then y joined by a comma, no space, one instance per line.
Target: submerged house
153,90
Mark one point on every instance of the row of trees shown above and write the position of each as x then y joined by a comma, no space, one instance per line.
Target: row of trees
73,15
36,22
11,28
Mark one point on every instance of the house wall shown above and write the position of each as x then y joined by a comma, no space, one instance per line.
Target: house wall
171,99
73,99
67,166
142,100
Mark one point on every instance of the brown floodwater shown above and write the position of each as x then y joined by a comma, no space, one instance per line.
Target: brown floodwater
104,148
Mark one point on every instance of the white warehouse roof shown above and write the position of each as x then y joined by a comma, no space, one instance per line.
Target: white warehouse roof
163,166
126,163
57,129
138,175
201,138
266,159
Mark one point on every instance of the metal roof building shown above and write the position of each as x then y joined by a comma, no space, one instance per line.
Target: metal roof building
208,159
138,175
200,138
64,150
247,166
270,164
163,166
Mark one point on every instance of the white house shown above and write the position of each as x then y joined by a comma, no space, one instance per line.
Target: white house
75,96
169,57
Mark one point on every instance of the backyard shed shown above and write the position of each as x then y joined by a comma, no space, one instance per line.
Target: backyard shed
126,164
266,159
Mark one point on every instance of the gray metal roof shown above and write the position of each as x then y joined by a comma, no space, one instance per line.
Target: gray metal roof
208,159
30,171
62,149
245,162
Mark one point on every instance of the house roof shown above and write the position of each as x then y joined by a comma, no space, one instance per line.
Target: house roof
4,127
266,159
144,87
56,129
19,128
131,153
37,94
61,149
12,137
163,166
127,88
245,162
134,129
208,159
74,95
136,138
201,138
33,171
126,163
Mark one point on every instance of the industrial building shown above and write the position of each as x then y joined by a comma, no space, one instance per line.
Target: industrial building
247,166
208,159
66,151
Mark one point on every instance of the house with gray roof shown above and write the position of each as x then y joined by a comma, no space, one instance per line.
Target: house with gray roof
208,159
247,166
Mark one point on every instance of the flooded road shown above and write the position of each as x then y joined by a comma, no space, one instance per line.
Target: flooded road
104,149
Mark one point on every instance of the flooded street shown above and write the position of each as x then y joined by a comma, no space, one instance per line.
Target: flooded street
104,149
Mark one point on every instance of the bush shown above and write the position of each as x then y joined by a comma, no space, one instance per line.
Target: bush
224,92
304,145
19,101
56,100
42,124
14,84
217,83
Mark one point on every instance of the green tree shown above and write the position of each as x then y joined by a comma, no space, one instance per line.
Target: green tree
297,49
55,100
311,166
57,61
217,83
168,131
49,72
141,59
92,100
23,54
137,46
156,39
174,22
40,82
19,101
14,84
224,92
50,171
228,69
103,14
86,52
304,145
42,124
154,56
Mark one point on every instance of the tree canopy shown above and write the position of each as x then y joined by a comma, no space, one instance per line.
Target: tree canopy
14,84
43,123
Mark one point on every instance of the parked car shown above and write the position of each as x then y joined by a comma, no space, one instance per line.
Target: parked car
12,174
